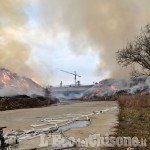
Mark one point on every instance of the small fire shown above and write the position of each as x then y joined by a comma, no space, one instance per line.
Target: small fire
85,98
18,84
113,88
145,93
26,84
97,91
36,82
6,79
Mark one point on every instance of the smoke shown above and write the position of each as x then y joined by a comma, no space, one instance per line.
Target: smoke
13,52
15,44
148,81
104,25
7,92
13,55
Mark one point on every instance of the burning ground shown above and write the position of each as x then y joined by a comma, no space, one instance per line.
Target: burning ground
11,84
20,92
112,87
105,89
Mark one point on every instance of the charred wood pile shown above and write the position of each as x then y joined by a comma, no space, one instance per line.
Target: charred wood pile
28,92
111,89
23,101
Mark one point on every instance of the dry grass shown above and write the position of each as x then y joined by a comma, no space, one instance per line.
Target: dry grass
135,101
134,118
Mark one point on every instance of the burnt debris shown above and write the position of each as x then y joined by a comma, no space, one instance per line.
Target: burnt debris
24,101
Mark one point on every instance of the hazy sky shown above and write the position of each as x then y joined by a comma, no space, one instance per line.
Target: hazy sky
51,52
38,38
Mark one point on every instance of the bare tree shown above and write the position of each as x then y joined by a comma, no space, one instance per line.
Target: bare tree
137,53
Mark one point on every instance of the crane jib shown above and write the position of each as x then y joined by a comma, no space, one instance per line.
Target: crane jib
75,75
70,73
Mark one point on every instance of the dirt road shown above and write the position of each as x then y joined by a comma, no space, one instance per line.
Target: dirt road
100,124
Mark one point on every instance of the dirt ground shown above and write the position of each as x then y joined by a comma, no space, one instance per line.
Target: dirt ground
100,124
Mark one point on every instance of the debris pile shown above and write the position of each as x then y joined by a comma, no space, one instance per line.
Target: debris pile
111,88
12,84
22,101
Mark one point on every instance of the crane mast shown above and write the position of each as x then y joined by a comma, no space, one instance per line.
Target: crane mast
75,75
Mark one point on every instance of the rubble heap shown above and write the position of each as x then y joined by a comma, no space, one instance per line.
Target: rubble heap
22,101
111,88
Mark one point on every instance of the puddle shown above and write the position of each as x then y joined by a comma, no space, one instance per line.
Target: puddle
76,124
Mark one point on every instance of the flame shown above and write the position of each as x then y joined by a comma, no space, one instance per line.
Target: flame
97,91
36,82
26,84
6,79
112,88
145,93
85,98
19,85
